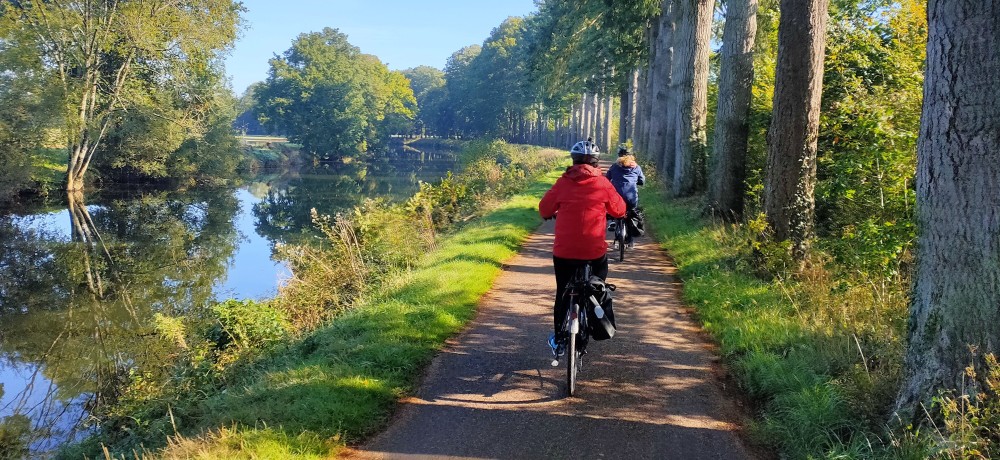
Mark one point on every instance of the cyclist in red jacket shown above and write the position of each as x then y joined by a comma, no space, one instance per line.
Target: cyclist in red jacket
582,199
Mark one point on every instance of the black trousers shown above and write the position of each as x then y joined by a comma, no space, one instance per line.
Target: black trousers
565,269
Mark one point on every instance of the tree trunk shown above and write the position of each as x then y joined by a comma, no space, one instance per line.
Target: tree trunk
648,91
575,128
624,116
609,107
691,76
633,108
626,110
661,71
731,123
595,108
639,116
954,314
599,121
791,158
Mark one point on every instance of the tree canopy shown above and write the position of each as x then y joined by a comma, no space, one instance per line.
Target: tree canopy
121,66
335,101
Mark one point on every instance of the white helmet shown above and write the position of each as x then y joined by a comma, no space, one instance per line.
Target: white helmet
586,147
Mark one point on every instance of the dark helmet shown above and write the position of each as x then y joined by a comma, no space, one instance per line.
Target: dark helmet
624,150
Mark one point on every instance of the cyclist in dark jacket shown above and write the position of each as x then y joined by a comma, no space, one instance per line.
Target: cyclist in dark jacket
581,198
626,175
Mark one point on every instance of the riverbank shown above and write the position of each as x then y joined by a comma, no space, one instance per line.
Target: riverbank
312,391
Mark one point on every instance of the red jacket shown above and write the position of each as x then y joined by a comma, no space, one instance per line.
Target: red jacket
581,198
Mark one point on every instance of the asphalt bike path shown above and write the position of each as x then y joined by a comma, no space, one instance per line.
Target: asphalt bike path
650,392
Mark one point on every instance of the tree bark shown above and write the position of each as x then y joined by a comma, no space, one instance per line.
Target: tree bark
691,76
599,120
639,116
791,158
648,92
661,71
609,107
626,111
954,314
726,186
624,115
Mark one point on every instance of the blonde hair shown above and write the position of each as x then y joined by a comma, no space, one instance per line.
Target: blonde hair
627,161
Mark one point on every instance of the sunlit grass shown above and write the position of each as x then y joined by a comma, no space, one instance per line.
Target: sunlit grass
48,168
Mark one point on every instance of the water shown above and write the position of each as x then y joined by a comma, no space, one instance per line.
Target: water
81,285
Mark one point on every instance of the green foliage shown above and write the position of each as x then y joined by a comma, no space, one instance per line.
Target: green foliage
29,108
15,433
971,422
245,324
158,62
427,84
871,111
325,94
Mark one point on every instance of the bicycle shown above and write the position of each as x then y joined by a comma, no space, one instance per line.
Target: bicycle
621,237
575,328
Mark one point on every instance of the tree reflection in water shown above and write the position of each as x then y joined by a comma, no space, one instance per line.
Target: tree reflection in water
80,288
77,313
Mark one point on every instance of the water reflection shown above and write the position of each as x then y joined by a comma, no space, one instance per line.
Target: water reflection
80,285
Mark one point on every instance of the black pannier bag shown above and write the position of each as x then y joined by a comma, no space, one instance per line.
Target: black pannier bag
635,223
602,328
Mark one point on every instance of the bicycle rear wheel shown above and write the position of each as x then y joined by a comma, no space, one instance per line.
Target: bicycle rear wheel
620,236
572,363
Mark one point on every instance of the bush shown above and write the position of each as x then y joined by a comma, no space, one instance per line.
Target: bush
245,324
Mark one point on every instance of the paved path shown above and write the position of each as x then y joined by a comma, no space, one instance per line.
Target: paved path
648,393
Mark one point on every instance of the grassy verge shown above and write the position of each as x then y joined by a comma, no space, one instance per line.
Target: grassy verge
338,382
342,382
820,357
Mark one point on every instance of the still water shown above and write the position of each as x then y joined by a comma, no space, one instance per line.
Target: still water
82,283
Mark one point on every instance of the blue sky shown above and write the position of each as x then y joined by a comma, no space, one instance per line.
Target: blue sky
403,34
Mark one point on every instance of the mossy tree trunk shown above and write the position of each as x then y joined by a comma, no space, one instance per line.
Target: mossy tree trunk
955,306
791,158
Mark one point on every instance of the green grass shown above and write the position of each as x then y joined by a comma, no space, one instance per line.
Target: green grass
801,372
342,382
48,167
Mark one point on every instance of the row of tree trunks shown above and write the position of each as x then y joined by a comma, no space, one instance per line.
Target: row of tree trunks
728,161
954,320
673,131
660,90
